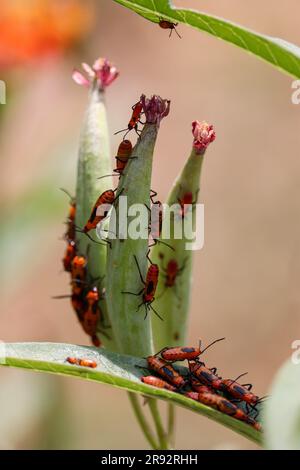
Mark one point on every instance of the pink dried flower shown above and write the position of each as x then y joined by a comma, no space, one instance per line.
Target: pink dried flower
203,134
155,108
103,73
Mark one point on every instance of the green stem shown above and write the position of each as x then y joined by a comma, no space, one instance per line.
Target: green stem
163,440
171,423
133,398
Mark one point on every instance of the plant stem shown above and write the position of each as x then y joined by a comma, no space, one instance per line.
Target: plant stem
171,423
163,440
133,398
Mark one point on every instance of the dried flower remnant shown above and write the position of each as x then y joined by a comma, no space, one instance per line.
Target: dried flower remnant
155,108
203,134
102,74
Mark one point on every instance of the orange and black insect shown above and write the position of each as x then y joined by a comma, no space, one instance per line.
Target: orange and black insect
69,255
70,233
135,119
92,315
199,388
205,375
184,353
149,289
123,156
156,382
165,24
241,392
156,221
166,371
78,274
192,395
227,407
107,198
185,202
82,362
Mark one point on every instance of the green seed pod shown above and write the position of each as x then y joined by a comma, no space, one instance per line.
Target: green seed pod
173,291
94,162
131,326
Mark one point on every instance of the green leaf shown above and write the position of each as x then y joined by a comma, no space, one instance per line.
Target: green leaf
278,52
282,410
113,369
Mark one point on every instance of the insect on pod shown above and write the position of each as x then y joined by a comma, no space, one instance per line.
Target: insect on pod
92,315
70,233
82,362
185,202
156,382
78,274
69,255
135,119
166,371
107,198
149,289
165,24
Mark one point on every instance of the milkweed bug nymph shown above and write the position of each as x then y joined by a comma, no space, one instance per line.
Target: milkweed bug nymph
165,24
69,255
227,407
205,375
135,119
185,353
149,289
166,371
82,362
156,382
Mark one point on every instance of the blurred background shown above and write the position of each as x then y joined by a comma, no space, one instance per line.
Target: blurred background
245,279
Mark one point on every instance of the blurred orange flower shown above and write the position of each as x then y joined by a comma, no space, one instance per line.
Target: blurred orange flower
34,28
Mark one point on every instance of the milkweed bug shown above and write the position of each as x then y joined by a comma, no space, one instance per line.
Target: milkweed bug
149,289
92,315
205,375
156,221
78,274
137,110
184,353
241,392
122,158
192,395
69,255
82,362
185,201
156,382
165,370
165,24
199,388
106,198
123,155
70,233
227,407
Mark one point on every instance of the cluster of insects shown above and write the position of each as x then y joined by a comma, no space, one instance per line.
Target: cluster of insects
202,383
84,295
